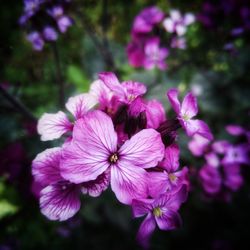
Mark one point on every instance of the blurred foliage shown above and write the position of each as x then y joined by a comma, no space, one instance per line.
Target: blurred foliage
221,78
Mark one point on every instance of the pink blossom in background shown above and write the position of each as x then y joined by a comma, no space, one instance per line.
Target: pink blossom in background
146,19
154,55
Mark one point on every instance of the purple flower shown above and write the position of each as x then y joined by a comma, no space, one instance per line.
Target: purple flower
94,149
53,126
161,211
198,145
177,23
63,23
59,199
236,154
50,34
36,39
154,55
186,111
146,19
135,52
126,92
210,179
171,179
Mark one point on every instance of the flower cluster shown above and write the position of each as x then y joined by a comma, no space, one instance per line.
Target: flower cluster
43,19
221,173
144,50
117,138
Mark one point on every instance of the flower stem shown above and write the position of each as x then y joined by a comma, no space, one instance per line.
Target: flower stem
17,104
60,83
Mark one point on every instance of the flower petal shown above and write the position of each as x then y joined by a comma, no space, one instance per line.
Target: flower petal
198,145
145,231
157,183
134,89
53,126
79,105
169,220
59,201
94,140
171,158
45,167
141,207
189,106
155,114
197,127
172,95
112,83
145,149
96,187
128,182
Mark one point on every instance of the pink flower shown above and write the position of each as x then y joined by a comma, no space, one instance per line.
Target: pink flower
154,55
186,111
94,149
146,19
171,179
135,52
53,126
161,211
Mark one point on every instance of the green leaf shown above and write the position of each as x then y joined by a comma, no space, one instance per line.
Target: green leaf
76,76
7,208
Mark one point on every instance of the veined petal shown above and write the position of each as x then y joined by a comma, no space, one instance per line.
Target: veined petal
145,231
53,126
60,201
45,167
134,89
112,83
96,187
169,220
141,207
79,105
155,114
157,183
128,182
87,156
172,95
145,149
171,158
189,106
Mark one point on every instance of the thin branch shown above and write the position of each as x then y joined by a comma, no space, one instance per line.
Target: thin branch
17,104
60,82
102,47
105,24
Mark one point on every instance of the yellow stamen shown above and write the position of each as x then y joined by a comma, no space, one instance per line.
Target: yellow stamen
157,212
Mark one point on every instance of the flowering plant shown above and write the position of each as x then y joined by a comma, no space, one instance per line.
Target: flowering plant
120,139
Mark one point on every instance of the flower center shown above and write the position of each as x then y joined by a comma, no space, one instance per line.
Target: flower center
185,117
157,212
113,158
172,177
